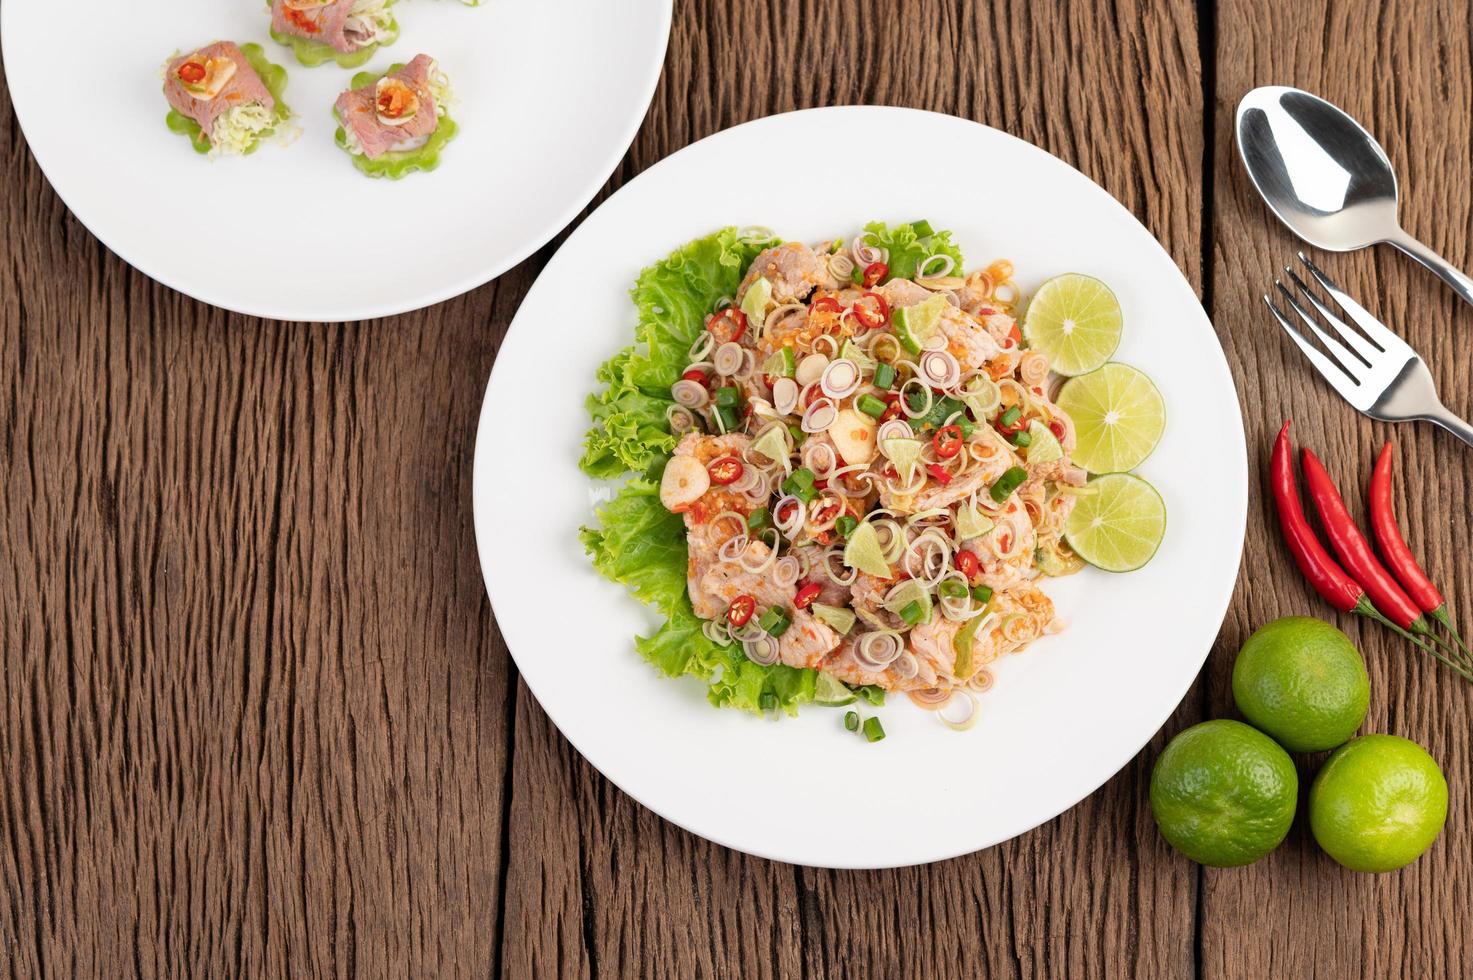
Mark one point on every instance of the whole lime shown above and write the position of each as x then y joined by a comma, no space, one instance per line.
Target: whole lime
1302,681
1378,803
1224,793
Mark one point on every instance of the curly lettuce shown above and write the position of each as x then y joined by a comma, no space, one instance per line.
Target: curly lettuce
911,244
673,298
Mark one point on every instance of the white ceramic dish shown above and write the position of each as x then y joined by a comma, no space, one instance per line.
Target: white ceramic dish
1063,717
549,96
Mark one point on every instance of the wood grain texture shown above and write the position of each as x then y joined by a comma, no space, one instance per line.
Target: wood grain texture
257,718
1406,72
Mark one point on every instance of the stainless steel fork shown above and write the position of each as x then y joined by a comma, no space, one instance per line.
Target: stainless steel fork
1377,373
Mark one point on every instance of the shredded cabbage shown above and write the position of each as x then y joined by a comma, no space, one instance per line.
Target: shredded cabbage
240,128
439,84
369,22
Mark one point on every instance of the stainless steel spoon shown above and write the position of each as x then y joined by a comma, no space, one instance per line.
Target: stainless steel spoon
1326,177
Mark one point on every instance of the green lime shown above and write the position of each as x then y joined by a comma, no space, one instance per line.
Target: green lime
1377,803
910,592
1223,793
1118,418
831,692
906,455
781,363
1075,320
913,324
862,551
1043,445
837,618
1302,681
1119,525
758,298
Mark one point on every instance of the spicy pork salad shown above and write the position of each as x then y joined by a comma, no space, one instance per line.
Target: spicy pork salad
851,477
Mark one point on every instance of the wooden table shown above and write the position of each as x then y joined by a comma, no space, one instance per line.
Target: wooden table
257,717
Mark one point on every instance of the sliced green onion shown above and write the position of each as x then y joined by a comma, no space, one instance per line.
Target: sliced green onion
1011,415
884,376
728,397
758,519
797,433
870,405
1022,440
851,721
952,589
773,622
922,228
857,275
982,593
1007,483
846,525
873,730
912,613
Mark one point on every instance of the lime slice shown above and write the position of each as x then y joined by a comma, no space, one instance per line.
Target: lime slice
1075,320
911,591
851,352
913,324
831,692
755,302
838,619
906,455
781,364
773,443
1118,417
1118,527
862,551
1043,445
971,522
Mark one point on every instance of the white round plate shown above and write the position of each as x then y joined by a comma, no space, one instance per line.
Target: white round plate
1063,716
549,96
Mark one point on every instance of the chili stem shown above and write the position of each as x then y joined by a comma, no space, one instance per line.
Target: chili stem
1440,615
1371,613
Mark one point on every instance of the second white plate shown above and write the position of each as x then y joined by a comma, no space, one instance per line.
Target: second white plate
549,96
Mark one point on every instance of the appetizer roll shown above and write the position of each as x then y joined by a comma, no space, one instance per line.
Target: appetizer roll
225,98
345,31
396,123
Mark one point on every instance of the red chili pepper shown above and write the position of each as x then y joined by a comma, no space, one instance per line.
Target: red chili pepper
968,564
1393,547
1353,549
740,610
892,408
727,469
827,304
727,324
806,595
1015,337
192,72
874,272
1314,562
948,441
301,20
872,319
696,375
939,473
1057,428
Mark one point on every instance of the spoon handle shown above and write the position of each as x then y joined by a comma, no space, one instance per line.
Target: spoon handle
1461,284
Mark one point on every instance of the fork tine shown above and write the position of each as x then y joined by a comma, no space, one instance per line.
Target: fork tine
1336,375
1335,348
1375,329
1363,348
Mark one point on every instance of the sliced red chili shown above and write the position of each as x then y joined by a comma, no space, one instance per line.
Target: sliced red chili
301,20
191,72
1015,338
740,610
939,473
727,469
696,375
874,272
872,311
827,304
968,564
948,441
892,408
1057,428
807,595
727,324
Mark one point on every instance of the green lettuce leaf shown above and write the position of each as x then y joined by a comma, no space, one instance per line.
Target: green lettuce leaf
907,249
642,545
673,298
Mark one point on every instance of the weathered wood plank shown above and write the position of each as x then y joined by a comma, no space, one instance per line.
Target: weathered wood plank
598,885
1404,71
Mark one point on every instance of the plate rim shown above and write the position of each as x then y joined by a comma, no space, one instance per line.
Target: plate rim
1240,472
565,216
